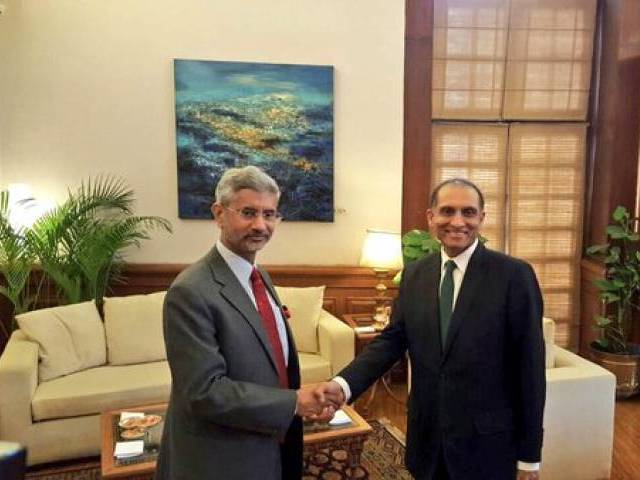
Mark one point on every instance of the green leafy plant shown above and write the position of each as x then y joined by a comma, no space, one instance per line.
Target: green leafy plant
619,289
78,246
415,245
16,260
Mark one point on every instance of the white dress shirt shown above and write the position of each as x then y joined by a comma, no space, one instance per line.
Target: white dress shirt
242,269
462,262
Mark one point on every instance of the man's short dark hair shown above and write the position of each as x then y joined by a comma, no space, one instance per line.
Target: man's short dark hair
462,182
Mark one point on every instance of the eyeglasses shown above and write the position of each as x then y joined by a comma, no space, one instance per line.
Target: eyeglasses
249,214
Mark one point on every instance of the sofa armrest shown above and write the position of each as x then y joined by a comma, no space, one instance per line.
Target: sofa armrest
578,419
337,342
18,382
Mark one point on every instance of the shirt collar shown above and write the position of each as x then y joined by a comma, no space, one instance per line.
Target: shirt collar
462,260
240,267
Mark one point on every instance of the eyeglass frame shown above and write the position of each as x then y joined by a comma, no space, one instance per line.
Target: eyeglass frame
250,214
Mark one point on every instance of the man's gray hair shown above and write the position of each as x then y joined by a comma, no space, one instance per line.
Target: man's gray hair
235,179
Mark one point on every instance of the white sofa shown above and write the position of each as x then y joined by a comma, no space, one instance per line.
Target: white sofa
578,419
578,415
65,366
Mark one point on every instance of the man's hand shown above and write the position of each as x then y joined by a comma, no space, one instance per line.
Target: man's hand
325,416
330,393
309,402
526,475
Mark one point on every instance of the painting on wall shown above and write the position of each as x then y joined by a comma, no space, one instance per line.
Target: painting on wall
276,117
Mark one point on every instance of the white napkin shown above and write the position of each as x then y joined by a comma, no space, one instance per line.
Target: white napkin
125,415
340,418
129,449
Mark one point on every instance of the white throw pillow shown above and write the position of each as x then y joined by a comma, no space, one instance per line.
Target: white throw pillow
304,306
70,338
134,328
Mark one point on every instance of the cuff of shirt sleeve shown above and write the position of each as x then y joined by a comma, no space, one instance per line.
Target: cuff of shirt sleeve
528,467
345,388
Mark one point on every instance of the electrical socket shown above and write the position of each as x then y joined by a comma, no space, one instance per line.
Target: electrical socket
3,9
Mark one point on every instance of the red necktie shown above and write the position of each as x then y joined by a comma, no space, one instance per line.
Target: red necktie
269,322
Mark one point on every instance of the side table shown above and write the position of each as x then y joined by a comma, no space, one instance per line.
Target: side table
362,340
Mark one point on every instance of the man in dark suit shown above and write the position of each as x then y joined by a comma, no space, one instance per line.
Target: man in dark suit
471,320
236,403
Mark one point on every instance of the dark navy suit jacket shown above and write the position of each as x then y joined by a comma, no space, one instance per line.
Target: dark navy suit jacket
478,400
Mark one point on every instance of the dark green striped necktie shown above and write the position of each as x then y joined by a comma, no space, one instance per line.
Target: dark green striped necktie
446,300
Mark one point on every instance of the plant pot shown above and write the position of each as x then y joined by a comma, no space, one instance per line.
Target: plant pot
626,368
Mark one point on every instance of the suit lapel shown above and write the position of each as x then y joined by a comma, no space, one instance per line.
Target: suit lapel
470,285
237,297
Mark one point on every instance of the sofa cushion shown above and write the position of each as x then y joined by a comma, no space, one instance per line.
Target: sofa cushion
70,338
304,305
313,368
100,389
133,326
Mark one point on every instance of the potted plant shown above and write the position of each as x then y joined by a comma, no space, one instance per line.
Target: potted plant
415,245
16,262
78,246
619,289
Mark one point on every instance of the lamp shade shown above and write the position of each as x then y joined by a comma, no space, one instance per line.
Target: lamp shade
381,250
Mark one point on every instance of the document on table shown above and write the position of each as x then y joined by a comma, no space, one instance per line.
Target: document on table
129,449
340,418
125,415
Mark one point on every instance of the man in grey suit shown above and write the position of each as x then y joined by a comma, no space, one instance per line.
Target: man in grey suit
236,403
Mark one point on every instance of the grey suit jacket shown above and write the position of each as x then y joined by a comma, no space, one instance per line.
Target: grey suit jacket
227,417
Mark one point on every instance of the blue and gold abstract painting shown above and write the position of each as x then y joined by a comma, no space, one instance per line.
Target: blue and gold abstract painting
276,117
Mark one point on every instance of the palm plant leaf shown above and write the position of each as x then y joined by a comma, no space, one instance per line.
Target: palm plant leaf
80,241
16,260
79,244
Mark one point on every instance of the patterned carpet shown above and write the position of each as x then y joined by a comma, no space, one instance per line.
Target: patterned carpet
382,459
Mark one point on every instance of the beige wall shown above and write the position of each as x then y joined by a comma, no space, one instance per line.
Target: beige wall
87,87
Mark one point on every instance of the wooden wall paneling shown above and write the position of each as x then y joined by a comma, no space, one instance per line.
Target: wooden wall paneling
589,302
330,304
348,289
615,118
612,173
360,304
417,112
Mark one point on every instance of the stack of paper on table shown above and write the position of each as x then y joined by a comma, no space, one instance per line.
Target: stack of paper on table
129,449
340,418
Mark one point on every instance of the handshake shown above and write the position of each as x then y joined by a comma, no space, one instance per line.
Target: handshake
320,401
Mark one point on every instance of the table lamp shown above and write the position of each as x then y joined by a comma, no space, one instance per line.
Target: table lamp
382,252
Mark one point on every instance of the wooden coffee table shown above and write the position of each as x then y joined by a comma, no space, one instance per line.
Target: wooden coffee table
135,468
349,437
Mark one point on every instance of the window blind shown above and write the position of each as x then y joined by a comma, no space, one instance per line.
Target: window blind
469,52
545,198
549,57
477,152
